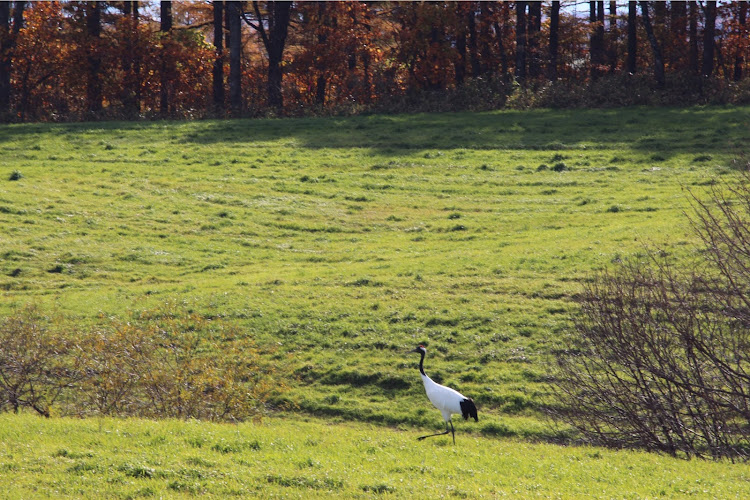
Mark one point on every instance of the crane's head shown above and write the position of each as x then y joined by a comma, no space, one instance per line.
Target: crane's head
420,350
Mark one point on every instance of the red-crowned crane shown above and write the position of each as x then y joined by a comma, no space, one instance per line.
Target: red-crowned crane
445,399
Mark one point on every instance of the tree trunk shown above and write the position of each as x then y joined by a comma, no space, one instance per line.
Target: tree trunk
7,45
707,68
658,58
521,41
274,39
278,28
235,47
659,22
218,69
485,53
600,32
137,63
693,27
632,38
596,18
130,68
534,29
94,60
500,28
554,40
678,25
165,28
739,60
5,60
613,37
321,82
476,69
460,66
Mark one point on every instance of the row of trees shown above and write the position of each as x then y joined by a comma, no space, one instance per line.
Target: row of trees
74,60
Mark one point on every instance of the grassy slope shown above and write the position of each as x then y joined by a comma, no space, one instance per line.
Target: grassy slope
344,242
64,458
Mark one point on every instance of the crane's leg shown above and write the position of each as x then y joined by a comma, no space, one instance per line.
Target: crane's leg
447,430
453,431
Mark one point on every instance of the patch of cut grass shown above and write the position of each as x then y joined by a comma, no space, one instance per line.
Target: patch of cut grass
314,459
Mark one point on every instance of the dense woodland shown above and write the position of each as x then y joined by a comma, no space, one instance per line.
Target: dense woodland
126,60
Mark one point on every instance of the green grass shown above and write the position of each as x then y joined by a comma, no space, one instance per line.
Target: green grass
341,243
290,458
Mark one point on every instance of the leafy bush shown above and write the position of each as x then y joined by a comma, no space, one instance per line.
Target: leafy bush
479,94
166,362
623,89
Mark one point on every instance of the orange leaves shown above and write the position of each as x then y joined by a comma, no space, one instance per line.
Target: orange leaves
165,362
336,54
50,64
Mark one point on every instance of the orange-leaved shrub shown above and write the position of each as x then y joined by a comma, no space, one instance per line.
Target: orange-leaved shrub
166,362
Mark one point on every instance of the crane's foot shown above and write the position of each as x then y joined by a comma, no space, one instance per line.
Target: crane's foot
438,434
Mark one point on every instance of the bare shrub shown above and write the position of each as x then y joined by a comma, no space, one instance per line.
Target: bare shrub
660,358
37,362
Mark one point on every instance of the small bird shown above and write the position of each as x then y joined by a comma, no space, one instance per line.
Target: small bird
445,399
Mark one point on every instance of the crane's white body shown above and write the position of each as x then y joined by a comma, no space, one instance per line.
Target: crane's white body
445,399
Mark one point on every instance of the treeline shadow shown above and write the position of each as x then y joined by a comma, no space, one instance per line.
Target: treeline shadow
666,130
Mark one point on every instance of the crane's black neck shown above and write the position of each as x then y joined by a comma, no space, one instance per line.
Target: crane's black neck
421,365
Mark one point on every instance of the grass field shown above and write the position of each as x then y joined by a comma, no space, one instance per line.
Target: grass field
339,244
64,458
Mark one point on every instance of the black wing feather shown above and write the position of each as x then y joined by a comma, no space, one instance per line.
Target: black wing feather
469,409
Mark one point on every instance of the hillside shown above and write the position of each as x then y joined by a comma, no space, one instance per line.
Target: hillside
339,244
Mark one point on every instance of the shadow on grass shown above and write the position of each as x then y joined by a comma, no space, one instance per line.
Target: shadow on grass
642,130
668,131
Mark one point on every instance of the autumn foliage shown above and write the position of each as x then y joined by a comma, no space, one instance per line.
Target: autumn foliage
158,363
105,60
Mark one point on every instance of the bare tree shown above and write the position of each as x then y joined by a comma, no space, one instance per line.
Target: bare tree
661,355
